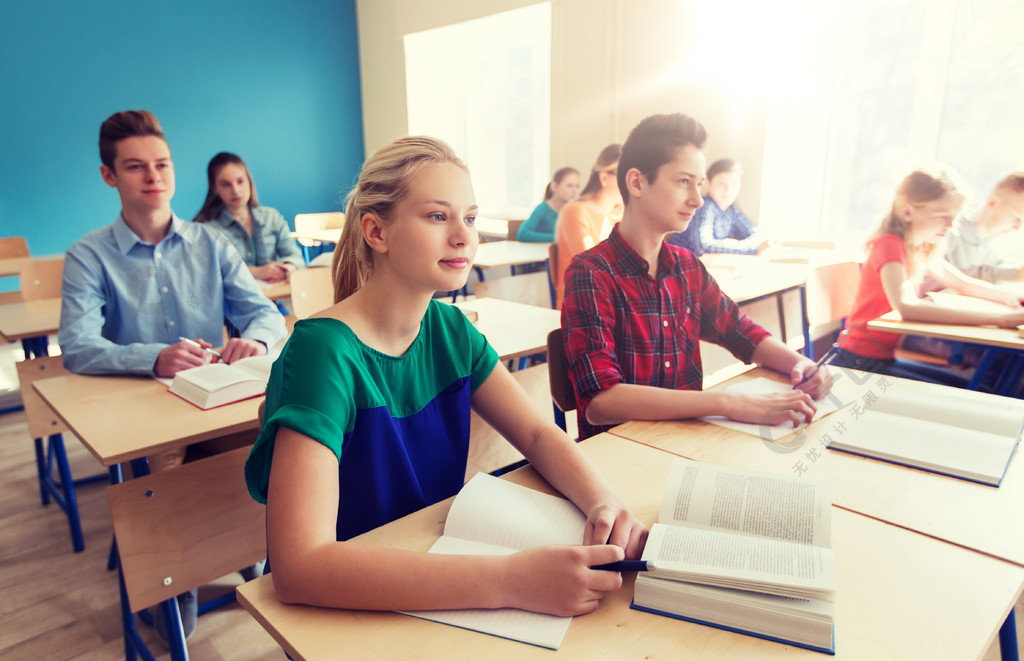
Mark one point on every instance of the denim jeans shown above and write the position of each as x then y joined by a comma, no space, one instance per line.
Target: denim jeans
906,369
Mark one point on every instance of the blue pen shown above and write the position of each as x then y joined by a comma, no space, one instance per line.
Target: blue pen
627,565
824,360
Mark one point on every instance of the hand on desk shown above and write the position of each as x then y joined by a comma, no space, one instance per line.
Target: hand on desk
180,356
559,579
240,347
272,271
614,524
818,385
795,406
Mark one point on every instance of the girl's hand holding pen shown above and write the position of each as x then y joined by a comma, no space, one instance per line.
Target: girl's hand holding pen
813,378
559,579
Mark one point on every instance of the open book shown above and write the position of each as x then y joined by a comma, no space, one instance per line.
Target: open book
743,551
491,516
954,432
216,384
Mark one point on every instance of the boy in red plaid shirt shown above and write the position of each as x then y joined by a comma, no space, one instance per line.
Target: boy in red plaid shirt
635,307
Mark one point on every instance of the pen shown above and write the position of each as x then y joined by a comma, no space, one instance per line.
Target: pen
818,365
198,346
627,565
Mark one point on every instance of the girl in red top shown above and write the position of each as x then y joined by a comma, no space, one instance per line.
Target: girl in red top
891,279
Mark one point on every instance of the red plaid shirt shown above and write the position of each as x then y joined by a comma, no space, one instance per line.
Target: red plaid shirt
623,326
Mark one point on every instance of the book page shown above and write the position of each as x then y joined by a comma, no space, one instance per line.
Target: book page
780,507
257,366
950,299
213,377
525,626
495,511
741,562
840,396
962,409
971,454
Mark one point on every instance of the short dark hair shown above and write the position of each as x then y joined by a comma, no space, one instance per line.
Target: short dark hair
654,141
720,166
126,124
1012,182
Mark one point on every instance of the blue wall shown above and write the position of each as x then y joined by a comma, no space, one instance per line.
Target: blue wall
275,81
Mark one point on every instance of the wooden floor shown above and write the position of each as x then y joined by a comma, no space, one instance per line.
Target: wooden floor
58,604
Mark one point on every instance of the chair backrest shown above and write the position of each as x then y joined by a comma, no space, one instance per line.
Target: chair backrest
41,419
184,527
558,373
41,278
513,229
13,246
831,292
552,266
312,291
305,222
530,288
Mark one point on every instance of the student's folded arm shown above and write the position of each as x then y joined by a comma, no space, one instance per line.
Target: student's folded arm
902,298
83,347
950,276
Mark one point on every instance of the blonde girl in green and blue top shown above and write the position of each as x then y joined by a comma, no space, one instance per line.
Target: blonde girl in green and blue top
367,418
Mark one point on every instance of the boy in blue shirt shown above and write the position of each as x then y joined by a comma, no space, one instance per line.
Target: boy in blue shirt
133,289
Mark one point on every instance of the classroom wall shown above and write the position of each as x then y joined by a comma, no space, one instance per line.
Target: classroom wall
613,63
276,82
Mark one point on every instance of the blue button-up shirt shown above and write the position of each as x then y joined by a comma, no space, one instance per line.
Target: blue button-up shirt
711,225
125,300
270,241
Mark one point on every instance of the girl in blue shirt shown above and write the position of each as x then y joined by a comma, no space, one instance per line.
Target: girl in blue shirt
540,226
367,418
260,234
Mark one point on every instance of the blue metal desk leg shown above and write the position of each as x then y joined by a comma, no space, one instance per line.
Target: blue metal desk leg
1008,639
982,369
805,323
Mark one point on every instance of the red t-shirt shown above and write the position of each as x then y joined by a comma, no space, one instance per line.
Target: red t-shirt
872,302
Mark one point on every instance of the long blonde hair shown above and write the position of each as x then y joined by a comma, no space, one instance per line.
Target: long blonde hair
919,187
383,183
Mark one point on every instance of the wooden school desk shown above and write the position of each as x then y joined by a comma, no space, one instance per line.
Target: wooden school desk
515,330
902,603
30,322
12,265
322,235
978,517
508,253
997,342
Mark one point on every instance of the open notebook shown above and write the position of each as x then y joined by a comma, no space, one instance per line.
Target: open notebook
491,516
950,431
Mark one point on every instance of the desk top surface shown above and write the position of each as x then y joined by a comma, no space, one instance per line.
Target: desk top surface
331,235
29,318
509,253
766,279
1005,338
976,516
513,329
119,418
897,598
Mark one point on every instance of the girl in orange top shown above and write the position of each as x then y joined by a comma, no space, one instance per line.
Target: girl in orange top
891,279
588,220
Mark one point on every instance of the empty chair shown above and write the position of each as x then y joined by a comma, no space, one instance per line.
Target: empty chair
562,394
312,291
307,223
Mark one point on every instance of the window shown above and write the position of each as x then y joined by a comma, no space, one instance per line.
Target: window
484,87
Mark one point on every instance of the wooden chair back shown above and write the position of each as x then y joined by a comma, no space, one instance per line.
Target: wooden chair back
305,222
513,229
312,291
41,419
831,292
185,527
552,270
13,246
558,373
41,278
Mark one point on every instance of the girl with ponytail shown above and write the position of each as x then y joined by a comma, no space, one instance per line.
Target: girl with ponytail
540,226
367,418
922,211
